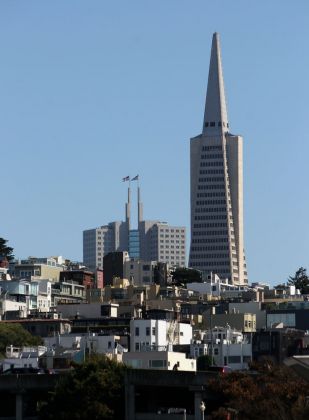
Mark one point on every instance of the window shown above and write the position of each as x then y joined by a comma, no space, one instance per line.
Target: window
147,330
157,363
137,331
153,330
234,359
136,346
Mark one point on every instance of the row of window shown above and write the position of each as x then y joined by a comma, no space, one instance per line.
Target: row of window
211,194
210,148
209,240
211,217
212,263
153,331
215,156
208,256
212,179
209,225
210,210
211,171
210,248
167,230
213,124
210,233
211,187
215,163
209,202
172,251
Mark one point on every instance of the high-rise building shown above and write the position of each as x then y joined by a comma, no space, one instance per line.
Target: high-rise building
151,241
162,242
216,157
100,241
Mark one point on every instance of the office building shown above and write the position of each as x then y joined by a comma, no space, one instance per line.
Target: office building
216,158
153,240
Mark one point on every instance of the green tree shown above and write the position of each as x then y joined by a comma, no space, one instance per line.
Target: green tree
300,280
16,335
92,390
6,251
183,275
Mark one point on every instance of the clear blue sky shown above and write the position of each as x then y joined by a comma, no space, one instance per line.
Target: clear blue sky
91,91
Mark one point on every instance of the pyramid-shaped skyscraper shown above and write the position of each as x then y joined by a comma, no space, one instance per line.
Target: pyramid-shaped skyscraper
216,158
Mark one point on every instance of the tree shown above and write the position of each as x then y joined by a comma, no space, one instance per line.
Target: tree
16,335
183,275
6,251
271,392
203,362
300,280
92,390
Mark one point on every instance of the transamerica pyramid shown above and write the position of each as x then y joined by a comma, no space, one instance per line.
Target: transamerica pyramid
216,159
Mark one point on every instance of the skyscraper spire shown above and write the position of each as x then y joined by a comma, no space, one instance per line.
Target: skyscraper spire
215,117
128,210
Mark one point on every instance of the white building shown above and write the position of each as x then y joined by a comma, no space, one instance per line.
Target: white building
22,357
44,300
94,343
162,360
213,286
7,304
228,347
217,242
153,334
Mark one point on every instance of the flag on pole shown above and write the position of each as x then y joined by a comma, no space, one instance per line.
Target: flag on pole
126,178
135,178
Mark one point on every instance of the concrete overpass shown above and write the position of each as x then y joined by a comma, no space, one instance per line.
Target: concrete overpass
23,387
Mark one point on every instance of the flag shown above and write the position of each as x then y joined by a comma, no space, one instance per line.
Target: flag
126,178
135,178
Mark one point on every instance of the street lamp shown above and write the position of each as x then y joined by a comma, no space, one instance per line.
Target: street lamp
202,408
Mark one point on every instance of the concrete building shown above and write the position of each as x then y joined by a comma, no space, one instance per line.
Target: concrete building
151,241
141,272
36,268
22,357
100,241
114,266
154,334
162,360
162,242
217,243
213,287
88,310
80,276
228,347
245,322
252,308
